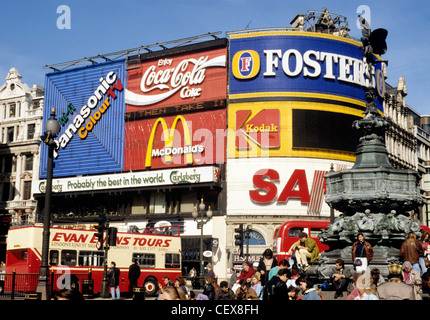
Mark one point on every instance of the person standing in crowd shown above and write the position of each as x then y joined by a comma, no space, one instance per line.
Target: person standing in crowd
210,272
113,277
180,283
305,284
354,293
245,292
280,290
283,264
173,293
340,278
295,273
362,253
395,288
2,276
293,293
68,294
147,230
366,290
271,285
426,282
247,272
233,278
267,262
306,249
224,292
208,290
411,250
410,276
133,275
425,244
257,286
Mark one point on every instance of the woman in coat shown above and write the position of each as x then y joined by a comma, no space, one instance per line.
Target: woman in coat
267,262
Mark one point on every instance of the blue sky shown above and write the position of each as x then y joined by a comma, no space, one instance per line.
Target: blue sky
30,37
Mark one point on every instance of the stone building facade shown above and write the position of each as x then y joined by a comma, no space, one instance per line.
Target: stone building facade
20,128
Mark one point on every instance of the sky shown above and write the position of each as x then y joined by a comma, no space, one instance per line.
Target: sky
31,37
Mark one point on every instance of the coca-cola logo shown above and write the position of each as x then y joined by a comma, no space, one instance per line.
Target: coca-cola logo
158,84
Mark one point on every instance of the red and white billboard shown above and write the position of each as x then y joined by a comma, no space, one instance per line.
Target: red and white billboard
176,141
279,186
177,80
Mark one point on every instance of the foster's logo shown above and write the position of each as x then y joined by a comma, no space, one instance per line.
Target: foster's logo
245,64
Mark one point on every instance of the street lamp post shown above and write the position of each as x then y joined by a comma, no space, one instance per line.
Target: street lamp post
52,128
202,222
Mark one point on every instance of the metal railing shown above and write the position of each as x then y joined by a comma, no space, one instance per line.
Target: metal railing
17,285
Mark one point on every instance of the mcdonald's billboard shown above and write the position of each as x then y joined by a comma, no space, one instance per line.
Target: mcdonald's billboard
176,141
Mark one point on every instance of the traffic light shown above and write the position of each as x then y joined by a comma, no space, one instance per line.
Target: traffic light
111,236
238,239
101,227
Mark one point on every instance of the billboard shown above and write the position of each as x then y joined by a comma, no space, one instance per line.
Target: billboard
300,66
102,105
90,107
176,141
177,80
292,129
279,186
127,180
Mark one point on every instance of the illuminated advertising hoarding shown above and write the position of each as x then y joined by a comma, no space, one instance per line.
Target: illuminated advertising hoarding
89,104
177,80
130,180
279,186
291,129
175,141
101,106
300,66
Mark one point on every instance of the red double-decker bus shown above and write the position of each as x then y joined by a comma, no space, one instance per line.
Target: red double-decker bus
73,251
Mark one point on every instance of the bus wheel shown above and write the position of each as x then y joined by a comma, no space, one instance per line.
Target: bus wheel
151,286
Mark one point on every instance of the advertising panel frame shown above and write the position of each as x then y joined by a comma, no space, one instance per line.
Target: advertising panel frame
300,66
89,104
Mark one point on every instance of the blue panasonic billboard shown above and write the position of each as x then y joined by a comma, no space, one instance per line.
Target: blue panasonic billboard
270,64
89,104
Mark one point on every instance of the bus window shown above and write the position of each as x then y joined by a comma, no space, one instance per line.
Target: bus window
68,258
294,232
91,258
145,260
172,260
53,257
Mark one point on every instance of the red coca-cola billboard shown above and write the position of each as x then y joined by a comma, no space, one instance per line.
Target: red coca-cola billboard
176,141
177,80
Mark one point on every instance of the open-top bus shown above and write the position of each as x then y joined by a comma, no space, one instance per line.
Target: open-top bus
74,251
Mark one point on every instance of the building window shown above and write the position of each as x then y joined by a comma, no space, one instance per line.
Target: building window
10,134
12,110
157,202
30,131
29,163
26,195
36,104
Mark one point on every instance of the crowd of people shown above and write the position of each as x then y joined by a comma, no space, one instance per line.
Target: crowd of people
287,280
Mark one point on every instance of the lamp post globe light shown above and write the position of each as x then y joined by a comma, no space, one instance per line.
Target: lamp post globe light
52,128
201,222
